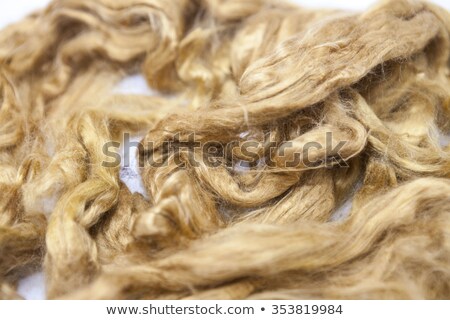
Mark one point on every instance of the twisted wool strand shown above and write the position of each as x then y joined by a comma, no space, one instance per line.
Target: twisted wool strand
253,70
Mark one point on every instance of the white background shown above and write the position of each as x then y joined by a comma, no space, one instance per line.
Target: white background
10,11
351,310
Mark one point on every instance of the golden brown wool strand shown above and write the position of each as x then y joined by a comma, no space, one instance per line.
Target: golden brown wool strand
229,71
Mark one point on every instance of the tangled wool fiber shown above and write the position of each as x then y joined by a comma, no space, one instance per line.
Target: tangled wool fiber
228,71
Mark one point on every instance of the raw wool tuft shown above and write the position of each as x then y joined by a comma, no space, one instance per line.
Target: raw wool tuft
254,70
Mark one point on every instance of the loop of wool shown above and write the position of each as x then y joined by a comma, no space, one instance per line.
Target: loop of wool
229,72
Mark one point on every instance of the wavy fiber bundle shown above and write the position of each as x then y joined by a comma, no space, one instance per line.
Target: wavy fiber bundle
229,71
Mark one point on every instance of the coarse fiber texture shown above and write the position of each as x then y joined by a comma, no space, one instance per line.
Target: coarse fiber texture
375,85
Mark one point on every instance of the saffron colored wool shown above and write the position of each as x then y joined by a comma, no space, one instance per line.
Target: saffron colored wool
228,71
